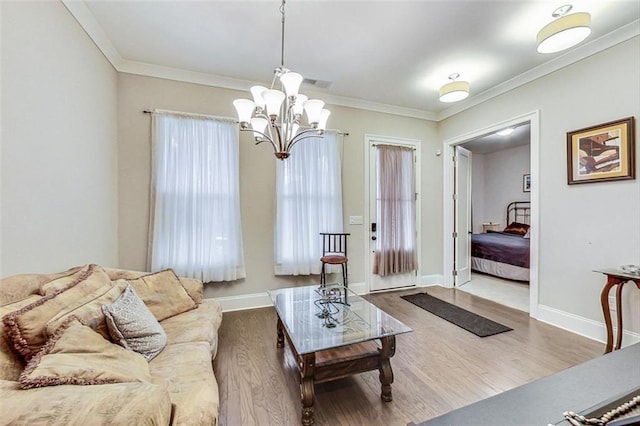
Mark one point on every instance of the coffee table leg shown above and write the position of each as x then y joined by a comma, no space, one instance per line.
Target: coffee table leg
280,343
307,368
386,373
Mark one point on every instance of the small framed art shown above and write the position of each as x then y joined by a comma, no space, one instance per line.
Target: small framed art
601,153
526,183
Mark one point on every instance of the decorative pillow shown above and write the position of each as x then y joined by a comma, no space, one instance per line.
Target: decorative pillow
90,314
65,281
191,285
25,329
517,228
77,355
163,294
132,325
11,365
17,287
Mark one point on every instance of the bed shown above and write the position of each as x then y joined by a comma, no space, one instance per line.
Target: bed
505,254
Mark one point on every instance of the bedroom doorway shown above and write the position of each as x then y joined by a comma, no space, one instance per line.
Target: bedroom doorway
519,183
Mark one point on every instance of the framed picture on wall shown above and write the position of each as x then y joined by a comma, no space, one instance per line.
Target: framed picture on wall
601,153
526,183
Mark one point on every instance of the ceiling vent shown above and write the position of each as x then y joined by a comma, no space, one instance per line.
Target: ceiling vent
322,84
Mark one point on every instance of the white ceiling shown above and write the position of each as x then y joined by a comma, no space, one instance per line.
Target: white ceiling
494,142
381,55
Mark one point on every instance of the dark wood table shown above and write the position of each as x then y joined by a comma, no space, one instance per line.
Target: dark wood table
615,278
334,335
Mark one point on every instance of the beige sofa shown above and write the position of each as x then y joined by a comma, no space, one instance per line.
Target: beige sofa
179,386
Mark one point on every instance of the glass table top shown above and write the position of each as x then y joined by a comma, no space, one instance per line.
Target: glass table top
626,271
317,319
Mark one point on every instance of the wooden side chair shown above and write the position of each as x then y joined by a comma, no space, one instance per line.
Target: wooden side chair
334,252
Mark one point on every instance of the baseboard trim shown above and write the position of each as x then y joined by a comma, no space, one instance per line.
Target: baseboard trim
431,280
586,327
262,300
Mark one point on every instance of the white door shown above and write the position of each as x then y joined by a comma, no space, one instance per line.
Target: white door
406,279
462,211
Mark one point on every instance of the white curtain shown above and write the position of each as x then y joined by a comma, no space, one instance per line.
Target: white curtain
396,211
195,225
308,201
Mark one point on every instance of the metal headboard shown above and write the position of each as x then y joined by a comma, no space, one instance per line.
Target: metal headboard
519,211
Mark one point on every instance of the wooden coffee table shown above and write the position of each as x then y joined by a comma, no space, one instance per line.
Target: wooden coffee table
334,333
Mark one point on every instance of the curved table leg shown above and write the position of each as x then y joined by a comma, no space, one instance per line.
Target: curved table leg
307,367
619,315
604,301
386,373
279,326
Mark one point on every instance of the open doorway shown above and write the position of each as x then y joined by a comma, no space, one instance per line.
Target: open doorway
488,212
497,252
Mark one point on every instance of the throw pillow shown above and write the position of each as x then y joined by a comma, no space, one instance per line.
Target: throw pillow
517,228
77,355
163,294
132,325
25,329
63,282
90,314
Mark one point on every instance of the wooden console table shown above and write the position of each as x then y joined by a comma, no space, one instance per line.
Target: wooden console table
615,278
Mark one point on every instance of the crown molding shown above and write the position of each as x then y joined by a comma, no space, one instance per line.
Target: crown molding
618,36
87,21
90,25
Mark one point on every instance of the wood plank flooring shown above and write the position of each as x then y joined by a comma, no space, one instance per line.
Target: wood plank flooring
437,368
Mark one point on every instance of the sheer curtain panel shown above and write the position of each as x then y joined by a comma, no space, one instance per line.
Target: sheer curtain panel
396,211
195,213
308,201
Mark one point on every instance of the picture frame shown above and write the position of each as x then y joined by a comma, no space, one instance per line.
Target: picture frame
526,183
605,152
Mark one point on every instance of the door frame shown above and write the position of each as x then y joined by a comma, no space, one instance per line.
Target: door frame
456,212
369,140
534,118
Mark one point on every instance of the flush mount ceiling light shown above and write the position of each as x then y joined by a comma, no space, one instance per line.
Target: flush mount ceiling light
565,32
274,115
505,132
454,91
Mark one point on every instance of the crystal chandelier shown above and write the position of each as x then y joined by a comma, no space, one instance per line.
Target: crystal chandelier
280,124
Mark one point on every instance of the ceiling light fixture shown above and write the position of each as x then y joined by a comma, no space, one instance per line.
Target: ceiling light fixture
455,90
505,132
280,126
565,32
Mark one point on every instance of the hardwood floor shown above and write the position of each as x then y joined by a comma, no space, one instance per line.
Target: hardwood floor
437,368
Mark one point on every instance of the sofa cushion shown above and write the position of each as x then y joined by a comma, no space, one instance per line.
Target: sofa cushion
11,365
18,287
90,314
77,355
185,369
25,329
132,325
198,325
118,404
64,281
191,285
163,294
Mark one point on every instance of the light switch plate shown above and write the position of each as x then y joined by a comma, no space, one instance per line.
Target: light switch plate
355,220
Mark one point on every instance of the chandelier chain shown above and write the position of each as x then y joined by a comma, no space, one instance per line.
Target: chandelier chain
282,38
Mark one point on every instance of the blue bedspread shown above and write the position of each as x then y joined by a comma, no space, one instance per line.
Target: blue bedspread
501,247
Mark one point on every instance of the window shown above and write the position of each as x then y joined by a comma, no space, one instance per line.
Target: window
195,227
308,201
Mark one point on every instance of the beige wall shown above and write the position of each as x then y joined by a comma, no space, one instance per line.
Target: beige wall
59,170
257,179
582,227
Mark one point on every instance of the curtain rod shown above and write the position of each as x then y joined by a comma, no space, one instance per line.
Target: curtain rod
214,117
189,114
